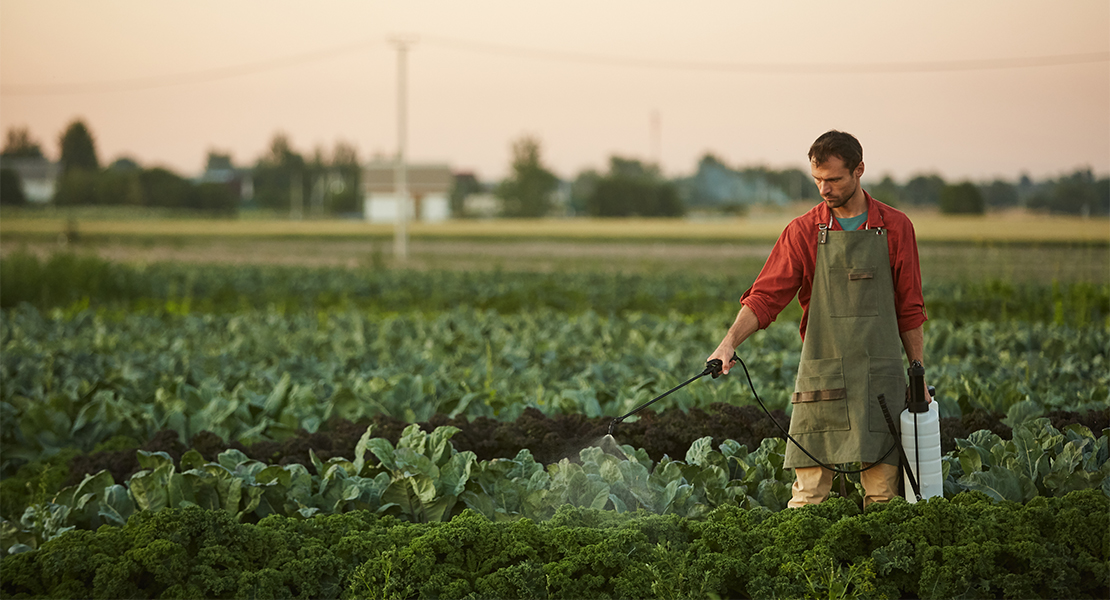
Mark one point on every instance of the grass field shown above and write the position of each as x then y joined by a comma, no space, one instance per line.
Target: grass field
930,227
1008,247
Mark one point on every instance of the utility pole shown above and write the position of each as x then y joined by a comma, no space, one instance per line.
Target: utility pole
400,177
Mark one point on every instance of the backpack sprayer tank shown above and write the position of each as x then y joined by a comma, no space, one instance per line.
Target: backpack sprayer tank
921,438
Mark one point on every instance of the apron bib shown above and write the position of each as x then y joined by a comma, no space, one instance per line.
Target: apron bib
851,353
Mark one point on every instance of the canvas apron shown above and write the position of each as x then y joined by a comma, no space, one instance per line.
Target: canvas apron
852,353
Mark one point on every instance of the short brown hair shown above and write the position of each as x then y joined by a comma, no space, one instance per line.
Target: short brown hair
839,144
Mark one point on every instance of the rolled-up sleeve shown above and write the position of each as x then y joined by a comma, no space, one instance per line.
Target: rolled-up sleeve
909,303
780,279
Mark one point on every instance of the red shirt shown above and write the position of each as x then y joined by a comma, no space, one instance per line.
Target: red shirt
789,269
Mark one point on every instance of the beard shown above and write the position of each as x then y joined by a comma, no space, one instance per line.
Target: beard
839,200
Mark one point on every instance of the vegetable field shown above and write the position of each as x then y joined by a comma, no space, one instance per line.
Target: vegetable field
184,430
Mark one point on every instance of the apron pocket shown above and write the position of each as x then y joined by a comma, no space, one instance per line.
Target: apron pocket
820,401
885,376
852,292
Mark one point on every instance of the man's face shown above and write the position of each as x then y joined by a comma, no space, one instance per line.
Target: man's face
835,182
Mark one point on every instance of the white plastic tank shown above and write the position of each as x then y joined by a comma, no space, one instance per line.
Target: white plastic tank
923,451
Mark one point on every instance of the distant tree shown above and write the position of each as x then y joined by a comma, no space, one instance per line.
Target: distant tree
20,145
581,189
464,185
212,197
164,188
887,192
527,191
275,173
1075,194
1000,194
1102,192
632,188
962,198
11,188
346,196
118,187
125,164
923,190
78,148
78,187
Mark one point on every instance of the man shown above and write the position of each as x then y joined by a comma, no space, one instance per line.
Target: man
853,263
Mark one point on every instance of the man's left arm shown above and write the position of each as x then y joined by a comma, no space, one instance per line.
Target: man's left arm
908,295
913,340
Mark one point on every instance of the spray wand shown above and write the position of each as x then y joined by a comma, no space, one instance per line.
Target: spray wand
712,367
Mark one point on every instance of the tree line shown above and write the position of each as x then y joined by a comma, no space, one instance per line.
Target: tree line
633,188
325,183
283,179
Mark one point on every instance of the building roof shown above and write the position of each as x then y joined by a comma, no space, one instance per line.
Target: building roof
379,177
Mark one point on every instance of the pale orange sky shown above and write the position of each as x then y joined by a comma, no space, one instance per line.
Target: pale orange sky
468,101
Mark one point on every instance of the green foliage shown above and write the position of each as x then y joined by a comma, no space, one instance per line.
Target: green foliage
1000,194
11,188
1078,193
18,143
77,377
276,173
164,188
423,478
527,192
941,548
224,288
631,189
34,483
961,198
78,148
1038,461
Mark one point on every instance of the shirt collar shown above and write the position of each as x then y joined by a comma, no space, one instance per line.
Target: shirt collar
874,215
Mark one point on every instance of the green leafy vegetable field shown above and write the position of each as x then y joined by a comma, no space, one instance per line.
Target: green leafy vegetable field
100,357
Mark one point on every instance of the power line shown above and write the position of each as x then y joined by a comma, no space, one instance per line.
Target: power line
204,76
773,68
789,68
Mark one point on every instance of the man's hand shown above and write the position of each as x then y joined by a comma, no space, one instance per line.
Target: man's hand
746,323
725,356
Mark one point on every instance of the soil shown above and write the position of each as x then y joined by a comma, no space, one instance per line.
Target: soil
549,439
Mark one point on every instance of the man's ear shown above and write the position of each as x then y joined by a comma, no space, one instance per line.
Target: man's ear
859,170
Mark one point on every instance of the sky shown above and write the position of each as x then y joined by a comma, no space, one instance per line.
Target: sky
968,90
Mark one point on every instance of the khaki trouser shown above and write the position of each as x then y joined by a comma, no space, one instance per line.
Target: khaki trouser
812,484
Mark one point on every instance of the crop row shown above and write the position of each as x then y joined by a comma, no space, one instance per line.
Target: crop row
424,478
76,380
67,279
668,433
964,547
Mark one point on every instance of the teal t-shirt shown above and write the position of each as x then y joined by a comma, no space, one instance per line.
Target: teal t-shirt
852,223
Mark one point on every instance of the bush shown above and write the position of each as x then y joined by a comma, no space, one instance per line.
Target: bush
962,198
11,188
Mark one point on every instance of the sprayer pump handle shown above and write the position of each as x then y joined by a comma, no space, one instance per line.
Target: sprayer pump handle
715,366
